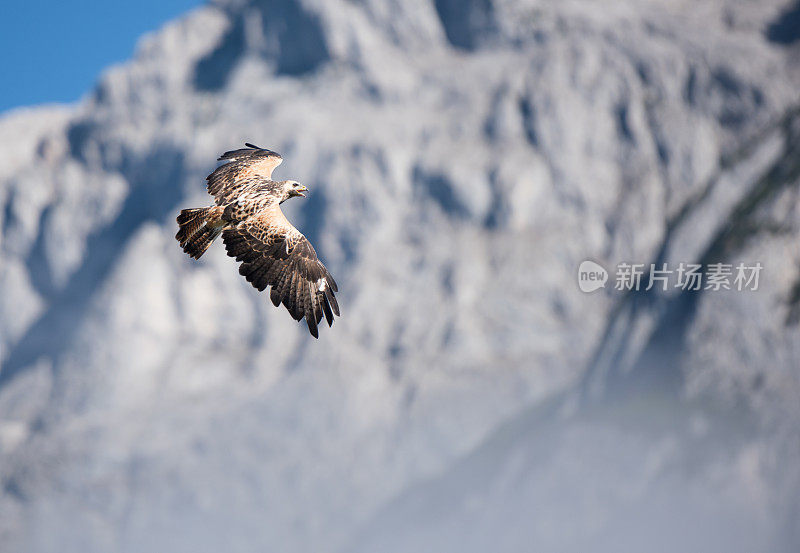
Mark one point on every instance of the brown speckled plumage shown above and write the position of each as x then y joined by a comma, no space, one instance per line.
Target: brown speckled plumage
255,231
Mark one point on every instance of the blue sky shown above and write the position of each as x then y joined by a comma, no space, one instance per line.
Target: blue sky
53,51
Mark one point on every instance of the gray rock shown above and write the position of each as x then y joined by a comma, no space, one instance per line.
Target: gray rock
463,159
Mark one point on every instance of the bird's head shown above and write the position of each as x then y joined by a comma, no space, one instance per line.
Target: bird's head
292,188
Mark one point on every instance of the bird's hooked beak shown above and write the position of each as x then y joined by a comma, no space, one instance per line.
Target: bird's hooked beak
301,190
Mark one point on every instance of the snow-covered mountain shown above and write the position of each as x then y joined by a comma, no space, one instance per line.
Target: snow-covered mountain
463,158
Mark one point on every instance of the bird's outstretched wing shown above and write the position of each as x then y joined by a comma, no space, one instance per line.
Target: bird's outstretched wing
227,180
274,253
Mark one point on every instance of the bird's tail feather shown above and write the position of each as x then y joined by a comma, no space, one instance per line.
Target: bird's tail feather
197,229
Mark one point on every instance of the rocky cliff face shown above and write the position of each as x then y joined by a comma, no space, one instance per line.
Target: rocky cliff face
463,158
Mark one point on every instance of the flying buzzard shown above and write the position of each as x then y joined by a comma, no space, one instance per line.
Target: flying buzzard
255,231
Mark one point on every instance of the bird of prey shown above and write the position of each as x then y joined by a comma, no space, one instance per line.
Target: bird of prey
272,252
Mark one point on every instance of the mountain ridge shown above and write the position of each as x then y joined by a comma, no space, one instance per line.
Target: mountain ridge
461,165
